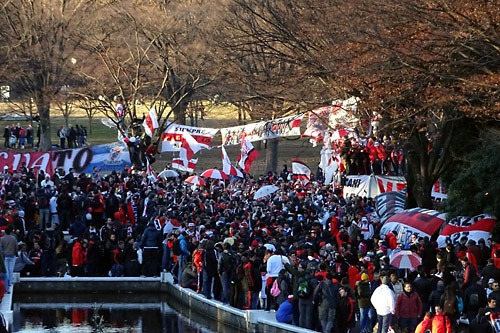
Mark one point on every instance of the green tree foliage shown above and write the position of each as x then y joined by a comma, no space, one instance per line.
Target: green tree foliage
473,182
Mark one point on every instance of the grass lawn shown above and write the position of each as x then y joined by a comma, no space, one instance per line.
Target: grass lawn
218,117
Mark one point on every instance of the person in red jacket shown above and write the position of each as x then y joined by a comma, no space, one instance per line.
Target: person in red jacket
441,322
425,324
77,258
408,308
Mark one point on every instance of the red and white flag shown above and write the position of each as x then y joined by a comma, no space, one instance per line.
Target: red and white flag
151,173
178,164
247,155
300,170
189,147
227,166
151,122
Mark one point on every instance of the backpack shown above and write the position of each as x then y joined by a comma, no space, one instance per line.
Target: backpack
50,241
275,289
176,248
474,299
229,263
304,288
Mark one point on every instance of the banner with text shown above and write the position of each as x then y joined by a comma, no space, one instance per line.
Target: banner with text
264,130
14,160
474,228
109,157
172,138
419,221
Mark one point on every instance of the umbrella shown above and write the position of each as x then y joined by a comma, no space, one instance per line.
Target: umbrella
406,260
168,173
265,191
195,180
214,174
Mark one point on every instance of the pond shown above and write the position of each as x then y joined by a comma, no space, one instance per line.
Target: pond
101,313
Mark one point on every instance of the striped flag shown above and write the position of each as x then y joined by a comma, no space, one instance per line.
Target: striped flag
178,164
227,166
151,173
247,155
150,122
300,170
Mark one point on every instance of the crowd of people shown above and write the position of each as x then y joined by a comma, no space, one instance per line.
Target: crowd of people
364,156
21,137
304,251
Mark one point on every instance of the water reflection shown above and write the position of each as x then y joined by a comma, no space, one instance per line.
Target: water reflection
113,313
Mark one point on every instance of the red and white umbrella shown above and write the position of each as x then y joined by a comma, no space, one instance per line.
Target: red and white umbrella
195,180
406,260
214,174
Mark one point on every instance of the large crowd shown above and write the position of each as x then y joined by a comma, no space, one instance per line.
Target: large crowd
304,251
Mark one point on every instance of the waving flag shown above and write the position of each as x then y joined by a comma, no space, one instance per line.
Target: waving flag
151,122
300,170
247,155
189,147
227,166
151,173
178,164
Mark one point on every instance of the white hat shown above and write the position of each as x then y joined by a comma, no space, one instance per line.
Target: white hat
229,240
490,281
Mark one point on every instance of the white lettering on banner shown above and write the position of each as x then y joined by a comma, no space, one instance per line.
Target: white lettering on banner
15,163
42,162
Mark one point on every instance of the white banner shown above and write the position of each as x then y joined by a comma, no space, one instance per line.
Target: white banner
474,228
264,130
172,137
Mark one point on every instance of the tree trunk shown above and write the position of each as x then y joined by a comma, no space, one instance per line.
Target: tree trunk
420,172
43,108
419,186
90,125
66,120
272,155
180,113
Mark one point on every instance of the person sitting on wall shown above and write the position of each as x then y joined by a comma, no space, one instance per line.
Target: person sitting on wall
284,313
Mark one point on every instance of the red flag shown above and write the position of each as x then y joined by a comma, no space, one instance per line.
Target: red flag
151,122
189,147
227,167
247,155
151,173
178,164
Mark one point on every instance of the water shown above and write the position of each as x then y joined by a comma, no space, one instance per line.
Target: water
100,313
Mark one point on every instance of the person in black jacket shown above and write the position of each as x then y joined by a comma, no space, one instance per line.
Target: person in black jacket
330,298
6,136
474,298
150,244
209,268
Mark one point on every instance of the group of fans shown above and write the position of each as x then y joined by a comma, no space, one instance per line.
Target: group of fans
306,252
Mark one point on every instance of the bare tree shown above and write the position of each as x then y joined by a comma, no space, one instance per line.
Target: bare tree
39,39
